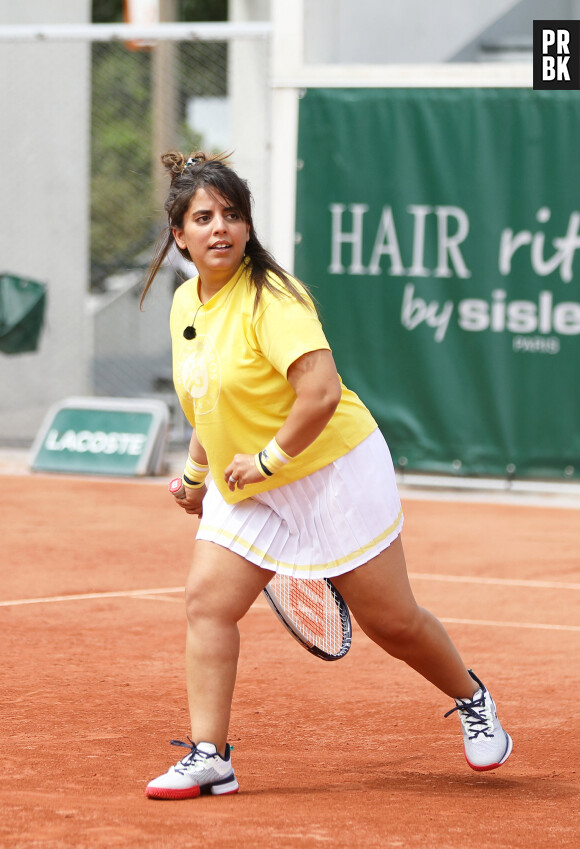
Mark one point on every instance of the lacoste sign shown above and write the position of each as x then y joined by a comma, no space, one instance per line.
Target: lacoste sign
109,436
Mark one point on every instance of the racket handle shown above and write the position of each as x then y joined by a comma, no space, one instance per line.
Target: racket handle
177,488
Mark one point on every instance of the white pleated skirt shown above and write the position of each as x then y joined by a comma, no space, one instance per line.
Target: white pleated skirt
322,525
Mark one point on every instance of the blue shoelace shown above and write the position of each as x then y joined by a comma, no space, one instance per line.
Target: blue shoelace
472,717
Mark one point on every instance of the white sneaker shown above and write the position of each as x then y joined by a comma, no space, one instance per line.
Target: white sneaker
487,745
203,769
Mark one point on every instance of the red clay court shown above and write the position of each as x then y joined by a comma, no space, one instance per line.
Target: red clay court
348,754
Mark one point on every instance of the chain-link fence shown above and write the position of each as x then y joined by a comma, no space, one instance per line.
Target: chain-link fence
144,100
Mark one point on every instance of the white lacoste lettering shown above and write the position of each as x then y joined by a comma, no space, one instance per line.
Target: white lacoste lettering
95,442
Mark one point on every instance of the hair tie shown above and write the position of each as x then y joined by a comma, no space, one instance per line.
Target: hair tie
191,161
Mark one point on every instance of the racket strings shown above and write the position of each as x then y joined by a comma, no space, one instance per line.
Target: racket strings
312,609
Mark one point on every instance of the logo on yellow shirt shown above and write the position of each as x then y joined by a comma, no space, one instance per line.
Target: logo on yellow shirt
199,374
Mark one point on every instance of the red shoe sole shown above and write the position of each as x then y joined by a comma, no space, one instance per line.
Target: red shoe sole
165,793
483,768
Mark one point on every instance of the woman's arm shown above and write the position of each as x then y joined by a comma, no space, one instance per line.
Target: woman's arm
314,379
196,451
192,500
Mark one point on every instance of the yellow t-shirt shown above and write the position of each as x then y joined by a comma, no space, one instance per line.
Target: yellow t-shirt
231,378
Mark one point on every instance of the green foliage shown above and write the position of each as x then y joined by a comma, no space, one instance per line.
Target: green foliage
107,11
203,10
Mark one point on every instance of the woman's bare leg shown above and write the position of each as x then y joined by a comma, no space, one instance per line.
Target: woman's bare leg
220,589
382,602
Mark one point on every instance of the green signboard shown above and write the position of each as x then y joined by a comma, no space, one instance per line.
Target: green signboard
438,229
107,436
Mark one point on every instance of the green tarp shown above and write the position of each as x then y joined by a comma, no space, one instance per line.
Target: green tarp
22,305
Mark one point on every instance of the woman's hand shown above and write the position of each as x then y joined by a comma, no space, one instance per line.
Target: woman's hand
191,500
242,470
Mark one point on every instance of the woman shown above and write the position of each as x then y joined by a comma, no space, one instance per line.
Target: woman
287,471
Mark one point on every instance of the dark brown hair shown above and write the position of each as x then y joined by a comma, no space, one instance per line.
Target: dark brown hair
215,175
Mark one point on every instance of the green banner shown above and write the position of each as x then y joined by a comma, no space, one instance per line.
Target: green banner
438,229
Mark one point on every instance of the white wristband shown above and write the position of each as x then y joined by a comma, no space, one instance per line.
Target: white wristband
271,459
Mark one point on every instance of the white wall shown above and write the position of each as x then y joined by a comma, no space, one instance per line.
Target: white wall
44,206
45,11
375,32
512,33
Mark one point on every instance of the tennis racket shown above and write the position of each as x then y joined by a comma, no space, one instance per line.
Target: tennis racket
313,611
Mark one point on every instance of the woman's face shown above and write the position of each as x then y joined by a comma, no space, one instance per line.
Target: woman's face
215,234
